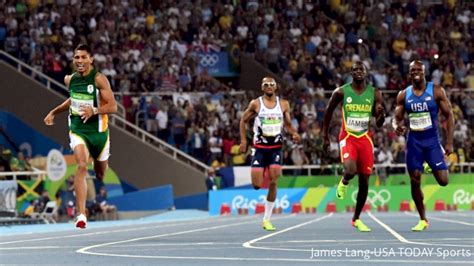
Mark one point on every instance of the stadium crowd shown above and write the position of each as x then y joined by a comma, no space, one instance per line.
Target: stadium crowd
150,47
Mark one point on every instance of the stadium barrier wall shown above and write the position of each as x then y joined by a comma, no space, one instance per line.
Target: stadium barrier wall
240,176
196,201
391,196
158,198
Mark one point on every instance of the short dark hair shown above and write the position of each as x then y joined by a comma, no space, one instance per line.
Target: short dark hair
84,47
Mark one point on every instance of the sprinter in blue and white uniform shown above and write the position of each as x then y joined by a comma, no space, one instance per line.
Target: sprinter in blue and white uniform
272,115
422,101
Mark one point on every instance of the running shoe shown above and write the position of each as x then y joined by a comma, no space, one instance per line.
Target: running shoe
426,168
81,221
267,225
422,225
341,190
361,226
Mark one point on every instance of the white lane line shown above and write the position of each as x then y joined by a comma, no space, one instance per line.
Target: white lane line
159,225
443,219
468,214
357,240
178,244
404,240
84,250
390,230
248,244
41,247
338,260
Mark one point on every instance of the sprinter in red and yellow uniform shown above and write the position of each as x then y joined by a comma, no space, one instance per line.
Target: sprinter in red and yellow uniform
360,101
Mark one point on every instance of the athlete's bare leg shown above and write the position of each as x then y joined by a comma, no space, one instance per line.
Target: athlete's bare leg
442,177
257,177
416,193
274,173
361,195
99,168
350,170
81,155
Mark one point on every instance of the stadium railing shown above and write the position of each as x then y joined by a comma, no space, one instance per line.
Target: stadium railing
15,174
337,168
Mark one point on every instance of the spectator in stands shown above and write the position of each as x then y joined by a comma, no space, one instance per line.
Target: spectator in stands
162,120
299,158
238,158
316,43
105,208
384,156
178,130
41,202
468,103
19,163
5,160
211,180
215,146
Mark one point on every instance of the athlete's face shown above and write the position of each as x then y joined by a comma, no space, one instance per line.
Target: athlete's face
417,73
82,60
358,72
269,86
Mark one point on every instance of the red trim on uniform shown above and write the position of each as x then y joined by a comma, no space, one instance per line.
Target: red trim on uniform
267,147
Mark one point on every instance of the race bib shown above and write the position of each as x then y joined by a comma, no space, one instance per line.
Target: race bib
79,100
420,121
271,130
358,123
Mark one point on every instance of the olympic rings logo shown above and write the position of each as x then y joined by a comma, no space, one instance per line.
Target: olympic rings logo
208,60
375,198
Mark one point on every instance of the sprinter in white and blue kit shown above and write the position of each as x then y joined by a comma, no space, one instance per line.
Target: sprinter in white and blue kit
422,101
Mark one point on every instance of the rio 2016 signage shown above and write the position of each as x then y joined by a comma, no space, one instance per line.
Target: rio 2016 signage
390,196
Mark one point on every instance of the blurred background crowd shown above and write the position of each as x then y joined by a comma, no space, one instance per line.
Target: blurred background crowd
148,50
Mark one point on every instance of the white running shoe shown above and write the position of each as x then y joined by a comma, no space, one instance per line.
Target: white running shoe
81,221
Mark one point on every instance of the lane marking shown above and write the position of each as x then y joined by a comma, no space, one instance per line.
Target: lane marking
159,225
443,219
248,244
359,240
39,247
459,213
404,240
84,250
338,260
390,230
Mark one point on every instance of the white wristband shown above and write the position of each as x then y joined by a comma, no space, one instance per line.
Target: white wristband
95,110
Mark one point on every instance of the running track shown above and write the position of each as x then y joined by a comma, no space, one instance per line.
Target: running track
194,238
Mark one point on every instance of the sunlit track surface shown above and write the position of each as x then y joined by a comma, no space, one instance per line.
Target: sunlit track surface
236,240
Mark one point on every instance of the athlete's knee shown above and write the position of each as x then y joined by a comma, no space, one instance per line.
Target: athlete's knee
99,172
443,181
350,170
82,166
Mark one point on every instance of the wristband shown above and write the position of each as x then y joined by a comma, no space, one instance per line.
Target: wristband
95,110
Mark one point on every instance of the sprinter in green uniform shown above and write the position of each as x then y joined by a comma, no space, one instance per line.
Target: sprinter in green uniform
90,100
